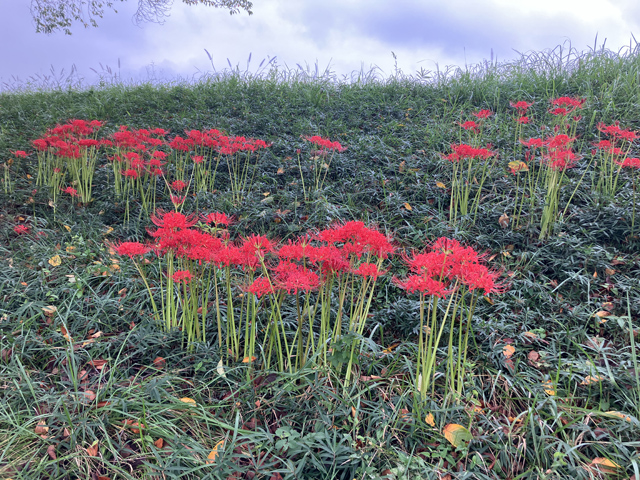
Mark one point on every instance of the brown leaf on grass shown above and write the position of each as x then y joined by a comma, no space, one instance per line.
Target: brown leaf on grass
407,206
51,451
159,362
533,357
41,428
508,351
603,465
92,451
456,434
430,420
504,220
188,400
50,310
103,478
588,380
159,443
89,395
211,458
98,364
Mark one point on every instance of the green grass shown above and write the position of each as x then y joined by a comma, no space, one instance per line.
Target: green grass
56,406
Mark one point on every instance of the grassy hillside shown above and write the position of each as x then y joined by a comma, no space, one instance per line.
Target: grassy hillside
111,367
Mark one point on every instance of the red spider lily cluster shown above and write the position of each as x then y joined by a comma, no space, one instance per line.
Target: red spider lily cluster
325,143
462,152
522,107
21,229
339,249
447,265
564,106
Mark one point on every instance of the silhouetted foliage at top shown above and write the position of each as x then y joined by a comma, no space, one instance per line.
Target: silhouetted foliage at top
54,15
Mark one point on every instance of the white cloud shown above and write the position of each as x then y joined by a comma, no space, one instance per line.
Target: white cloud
346,34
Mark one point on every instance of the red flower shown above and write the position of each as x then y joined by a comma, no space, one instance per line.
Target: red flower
131,249
177,200
20,153
533,142
630,163
197,159
463,151
21,229
521,106
173,220
182,276
294,278
523,120
178,185
261,286
483,114
370,270
470,125
566,105
325,143
70,191
217,219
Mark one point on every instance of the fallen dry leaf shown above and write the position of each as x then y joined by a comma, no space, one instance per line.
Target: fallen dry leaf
55,261
51,451
92,451
430,420
188,400
159,362
159,443
504,220
508,351
588,380
41,428
456,434
211,458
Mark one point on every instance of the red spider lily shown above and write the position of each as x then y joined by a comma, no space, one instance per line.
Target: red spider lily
566,105
20,154
424,285
330,259
180,276
294,278
463,151
173,220
369,270
178,185
70,191
131,173
616,132
131,249
357,239
325,143
197,159
261,286
630,163
559,141
521,106
523,120
533,142
482,114
254,248
446,263
471,125
177,200
217,219
21,229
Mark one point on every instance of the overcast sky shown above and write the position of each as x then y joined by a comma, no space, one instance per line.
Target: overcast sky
343,35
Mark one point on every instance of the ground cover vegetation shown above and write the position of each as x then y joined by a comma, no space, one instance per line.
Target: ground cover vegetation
273,276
